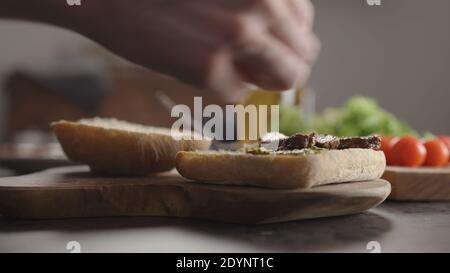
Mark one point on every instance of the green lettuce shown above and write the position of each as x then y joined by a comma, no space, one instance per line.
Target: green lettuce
359,116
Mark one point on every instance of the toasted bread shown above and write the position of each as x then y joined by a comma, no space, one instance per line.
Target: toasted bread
114,147
282,171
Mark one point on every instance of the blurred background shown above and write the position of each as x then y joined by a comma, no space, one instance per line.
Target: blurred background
397,53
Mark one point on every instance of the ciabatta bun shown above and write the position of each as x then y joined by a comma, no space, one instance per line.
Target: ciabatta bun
114,147
282,171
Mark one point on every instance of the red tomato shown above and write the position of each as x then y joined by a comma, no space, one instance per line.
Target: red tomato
437,153
446,140
387,143
408,152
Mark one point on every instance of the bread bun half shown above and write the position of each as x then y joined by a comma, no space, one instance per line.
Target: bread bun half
114,147
282,171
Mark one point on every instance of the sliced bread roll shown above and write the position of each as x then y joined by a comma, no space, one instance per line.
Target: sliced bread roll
114,147
282,171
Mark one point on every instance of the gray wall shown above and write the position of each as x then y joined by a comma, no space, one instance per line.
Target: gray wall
398,53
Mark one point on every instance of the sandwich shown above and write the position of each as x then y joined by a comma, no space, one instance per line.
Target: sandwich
299,161
114,147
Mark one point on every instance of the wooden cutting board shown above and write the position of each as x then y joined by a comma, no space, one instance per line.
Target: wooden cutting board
419,184
73,192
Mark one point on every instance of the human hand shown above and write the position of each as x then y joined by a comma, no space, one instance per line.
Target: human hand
215,44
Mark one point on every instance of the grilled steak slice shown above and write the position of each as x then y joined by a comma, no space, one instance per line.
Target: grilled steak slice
300,141
371,142
297,141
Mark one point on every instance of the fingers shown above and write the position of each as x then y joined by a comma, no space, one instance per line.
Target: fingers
303,11
208,67
202,57
267,63
291,23
223,78
268,43
260,58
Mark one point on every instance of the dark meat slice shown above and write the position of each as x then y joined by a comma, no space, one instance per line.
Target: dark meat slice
297,141
300,141
371,142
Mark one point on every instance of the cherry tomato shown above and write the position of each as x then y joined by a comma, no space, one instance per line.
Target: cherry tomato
387,143
408,152
437,153
446,140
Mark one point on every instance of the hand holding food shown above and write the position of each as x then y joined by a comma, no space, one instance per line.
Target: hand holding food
214,44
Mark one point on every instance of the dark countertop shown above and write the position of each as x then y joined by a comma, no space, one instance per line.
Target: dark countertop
410,227
5,172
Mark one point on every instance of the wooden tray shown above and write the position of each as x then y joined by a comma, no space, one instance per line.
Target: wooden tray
73,192
419,184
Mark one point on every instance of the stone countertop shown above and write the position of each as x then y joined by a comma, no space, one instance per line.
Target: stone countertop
395,227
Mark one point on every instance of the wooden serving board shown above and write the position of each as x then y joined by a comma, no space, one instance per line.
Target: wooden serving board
73,192
419,184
